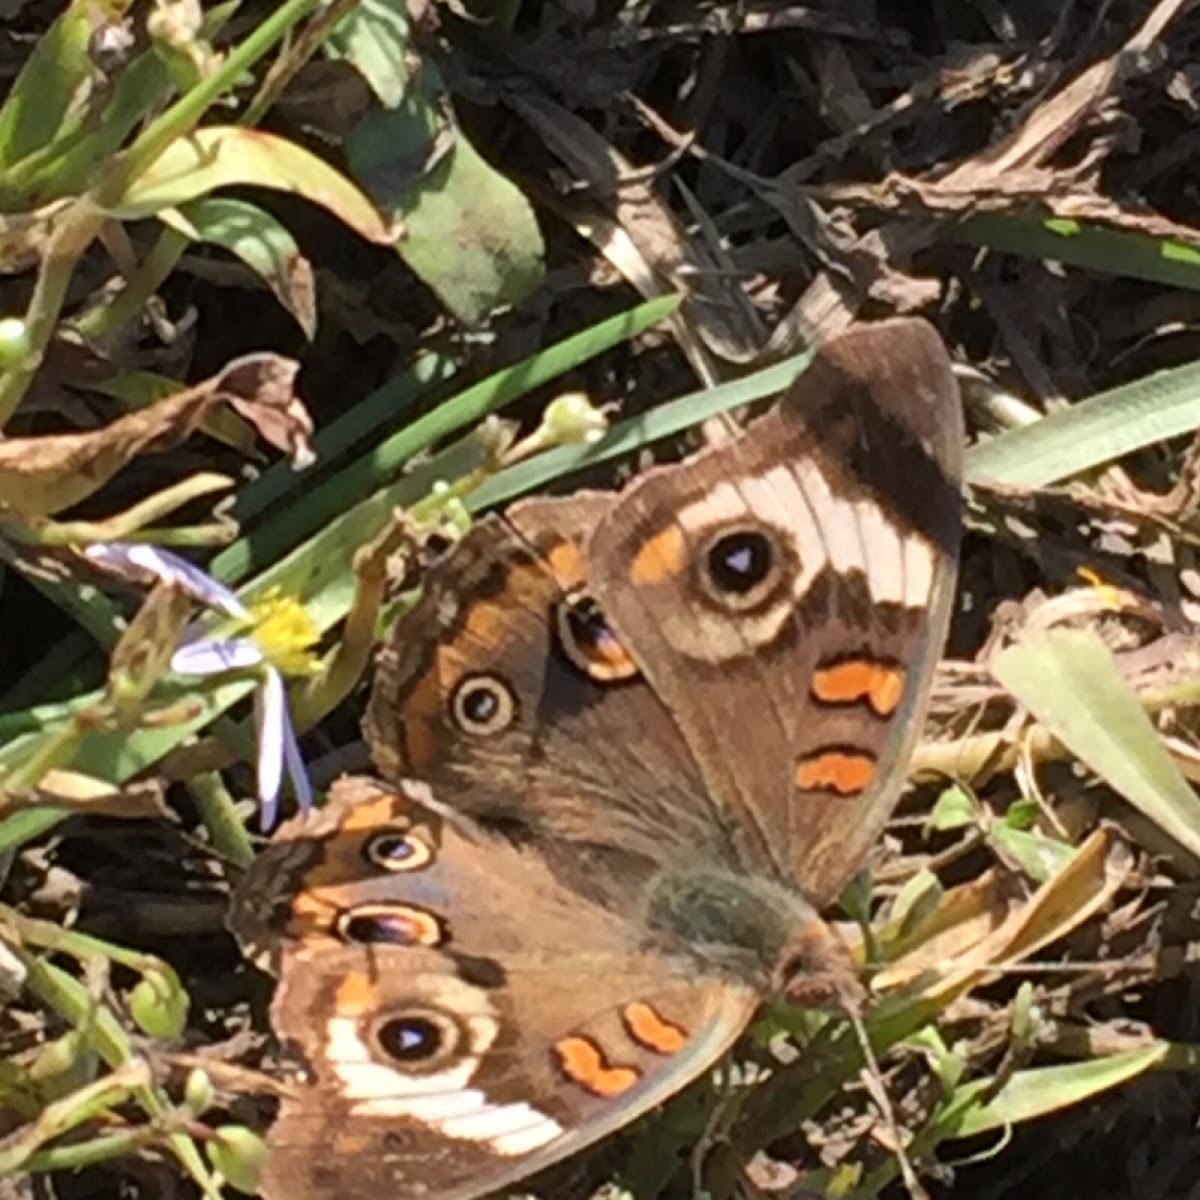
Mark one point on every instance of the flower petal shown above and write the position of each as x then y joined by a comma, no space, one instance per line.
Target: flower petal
272,722
297,771
215,656
140,558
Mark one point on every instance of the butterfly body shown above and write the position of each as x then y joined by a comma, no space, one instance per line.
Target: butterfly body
630,744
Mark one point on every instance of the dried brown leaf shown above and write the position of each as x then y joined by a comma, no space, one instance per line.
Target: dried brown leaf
143,652
260,388
85,793
44,475
1066,112
1089,881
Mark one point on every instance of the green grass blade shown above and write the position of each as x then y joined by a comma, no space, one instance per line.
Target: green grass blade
1042,1090
664,421
387,459
1067,680
1080,244
1092,432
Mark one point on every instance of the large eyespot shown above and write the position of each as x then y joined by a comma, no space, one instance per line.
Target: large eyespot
393,925
420,1038
483,705
397,850
742,567
588,640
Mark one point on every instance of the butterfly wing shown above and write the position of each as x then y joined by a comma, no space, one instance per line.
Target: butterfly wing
738,706
451,1044
786,594
771,614
507,692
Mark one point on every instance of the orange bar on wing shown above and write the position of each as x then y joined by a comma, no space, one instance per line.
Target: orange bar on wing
843,771
650,1028
356,994
853,680
567,564
580,1060
661,558
372,814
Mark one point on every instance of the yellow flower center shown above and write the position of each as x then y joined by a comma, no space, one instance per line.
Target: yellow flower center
286,634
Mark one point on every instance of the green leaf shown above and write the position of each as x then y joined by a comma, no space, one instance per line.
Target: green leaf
1040,857
261,241
66,165
373,38
468,232
41,99
948,1067
1067,680
1021,814
1085,244
915,902
223,156
1041,1090
953,809
1092,432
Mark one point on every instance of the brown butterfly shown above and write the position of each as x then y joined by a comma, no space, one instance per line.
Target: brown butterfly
632,742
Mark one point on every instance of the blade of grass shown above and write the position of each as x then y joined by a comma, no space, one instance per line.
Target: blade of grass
664,421
1041,1090
1092,432
1067,680
1084,244
382,462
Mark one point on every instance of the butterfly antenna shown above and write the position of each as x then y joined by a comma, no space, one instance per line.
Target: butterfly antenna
872,1078
821,973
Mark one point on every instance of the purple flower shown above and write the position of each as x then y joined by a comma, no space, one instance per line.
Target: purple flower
272,639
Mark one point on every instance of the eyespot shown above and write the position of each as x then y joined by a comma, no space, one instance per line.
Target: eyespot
588,640
420,1038
742,567
393,925
397,850
483,705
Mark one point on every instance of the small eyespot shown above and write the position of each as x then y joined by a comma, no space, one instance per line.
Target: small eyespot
742,567
392,925
588,640
418,1038
483,705
397,850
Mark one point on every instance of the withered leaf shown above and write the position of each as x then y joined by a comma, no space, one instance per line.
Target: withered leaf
85,793
40,476
144,650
